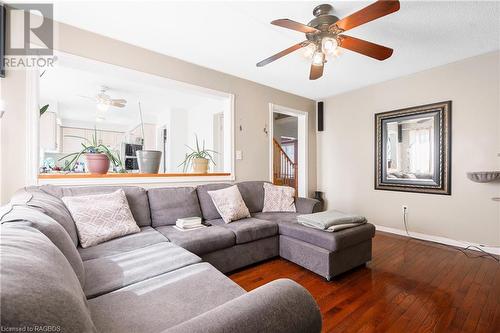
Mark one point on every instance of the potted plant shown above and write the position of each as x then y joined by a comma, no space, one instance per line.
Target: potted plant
198,158
97,156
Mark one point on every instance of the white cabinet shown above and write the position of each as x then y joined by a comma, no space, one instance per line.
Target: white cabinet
49,132
110,139
72,139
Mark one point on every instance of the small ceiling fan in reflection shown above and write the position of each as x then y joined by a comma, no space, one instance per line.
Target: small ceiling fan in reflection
104,101
325,33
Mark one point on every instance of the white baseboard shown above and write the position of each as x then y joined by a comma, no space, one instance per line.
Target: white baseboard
437,239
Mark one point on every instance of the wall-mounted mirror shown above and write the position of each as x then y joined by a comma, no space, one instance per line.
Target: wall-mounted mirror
412,152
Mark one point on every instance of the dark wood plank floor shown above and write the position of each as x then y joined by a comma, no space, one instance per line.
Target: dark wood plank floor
409,286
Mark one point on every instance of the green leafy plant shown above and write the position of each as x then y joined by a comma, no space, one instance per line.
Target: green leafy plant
197,153
91,147
43,109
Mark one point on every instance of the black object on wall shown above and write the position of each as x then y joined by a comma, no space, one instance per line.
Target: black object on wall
3,18
320,116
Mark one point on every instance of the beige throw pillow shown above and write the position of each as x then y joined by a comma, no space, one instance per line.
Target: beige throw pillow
278,198
229,204
101,217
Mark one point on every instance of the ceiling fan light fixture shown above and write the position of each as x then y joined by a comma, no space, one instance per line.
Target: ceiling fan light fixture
329,45
103,107
309,50
318,58
326,34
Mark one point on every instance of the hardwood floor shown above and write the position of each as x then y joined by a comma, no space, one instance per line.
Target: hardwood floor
409,286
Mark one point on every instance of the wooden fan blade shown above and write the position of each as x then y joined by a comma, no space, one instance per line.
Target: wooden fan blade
289,24
118,105
316,72
372,12
119,100
282,53
363,47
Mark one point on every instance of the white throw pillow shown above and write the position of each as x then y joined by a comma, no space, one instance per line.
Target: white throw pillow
278,198
101,217
229,204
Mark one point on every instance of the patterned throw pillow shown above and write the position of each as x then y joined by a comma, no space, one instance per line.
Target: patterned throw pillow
101,217
278,198
229,204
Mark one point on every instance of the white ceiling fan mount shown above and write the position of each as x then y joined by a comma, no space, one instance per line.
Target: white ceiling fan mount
104,101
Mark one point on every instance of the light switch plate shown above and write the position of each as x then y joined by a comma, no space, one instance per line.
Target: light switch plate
239,155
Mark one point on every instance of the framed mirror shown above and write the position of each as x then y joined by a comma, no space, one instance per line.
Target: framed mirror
413,149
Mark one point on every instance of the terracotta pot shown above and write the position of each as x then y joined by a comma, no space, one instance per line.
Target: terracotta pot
200,165
97,163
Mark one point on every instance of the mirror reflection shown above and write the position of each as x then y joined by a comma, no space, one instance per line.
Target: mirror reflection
410,149
126,111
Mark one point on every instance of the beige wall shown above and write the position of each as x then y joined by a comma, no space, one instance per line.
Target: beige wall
346,151
251,102
12,134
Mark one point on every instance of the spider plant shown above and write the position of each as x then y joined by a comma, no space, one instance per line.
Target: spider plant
91,147
206,154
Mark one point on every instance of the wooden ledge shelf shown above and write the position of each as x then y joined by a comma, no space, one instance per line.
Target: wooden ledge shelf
128,175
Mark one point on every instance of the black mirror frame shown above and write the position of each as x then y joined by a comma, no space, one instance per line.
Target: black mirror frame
443,187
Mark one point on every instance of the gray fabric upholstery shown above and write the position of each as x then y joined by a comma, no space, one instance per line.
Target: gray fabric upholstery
310,256
170,203
281,306
107,274
200,241
147,236
249,229
277,217
349,258
50,205
307,205
156,304
332,241
38,286
241,255
253,195
323,262
206,204
32,217
136,196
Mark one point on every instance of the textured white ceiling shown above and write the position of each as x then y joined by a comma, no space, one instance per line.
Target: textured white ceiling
232,36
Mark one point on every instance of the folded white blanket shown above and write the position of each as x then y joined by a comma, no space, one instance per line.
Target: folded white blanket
331,220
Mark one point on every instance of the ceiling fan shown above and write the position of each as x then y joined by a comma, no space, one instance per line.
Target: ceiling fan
104,101
325,33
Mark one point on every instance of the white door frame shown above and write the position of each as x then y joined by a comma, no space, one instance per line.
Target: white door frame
303,144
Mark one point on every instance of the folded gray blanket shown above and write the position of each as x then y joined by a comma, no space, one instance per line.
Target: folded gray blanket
331,220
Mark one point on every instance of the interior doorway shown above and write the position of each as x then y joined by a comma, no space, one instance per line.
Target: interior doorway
288,148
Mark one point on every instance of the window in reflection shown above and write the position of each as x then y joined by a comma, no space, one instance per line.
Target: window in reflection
410,149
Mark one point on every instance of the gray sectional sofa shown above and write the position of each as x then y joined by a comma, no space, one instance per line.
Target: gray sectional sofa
162,279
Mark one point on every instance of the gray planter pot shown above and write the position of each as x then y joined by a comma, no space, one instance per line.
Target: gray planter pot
149,160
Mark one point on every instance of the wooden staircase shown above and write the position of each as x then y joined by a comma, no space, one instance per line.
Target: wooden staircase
284,169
